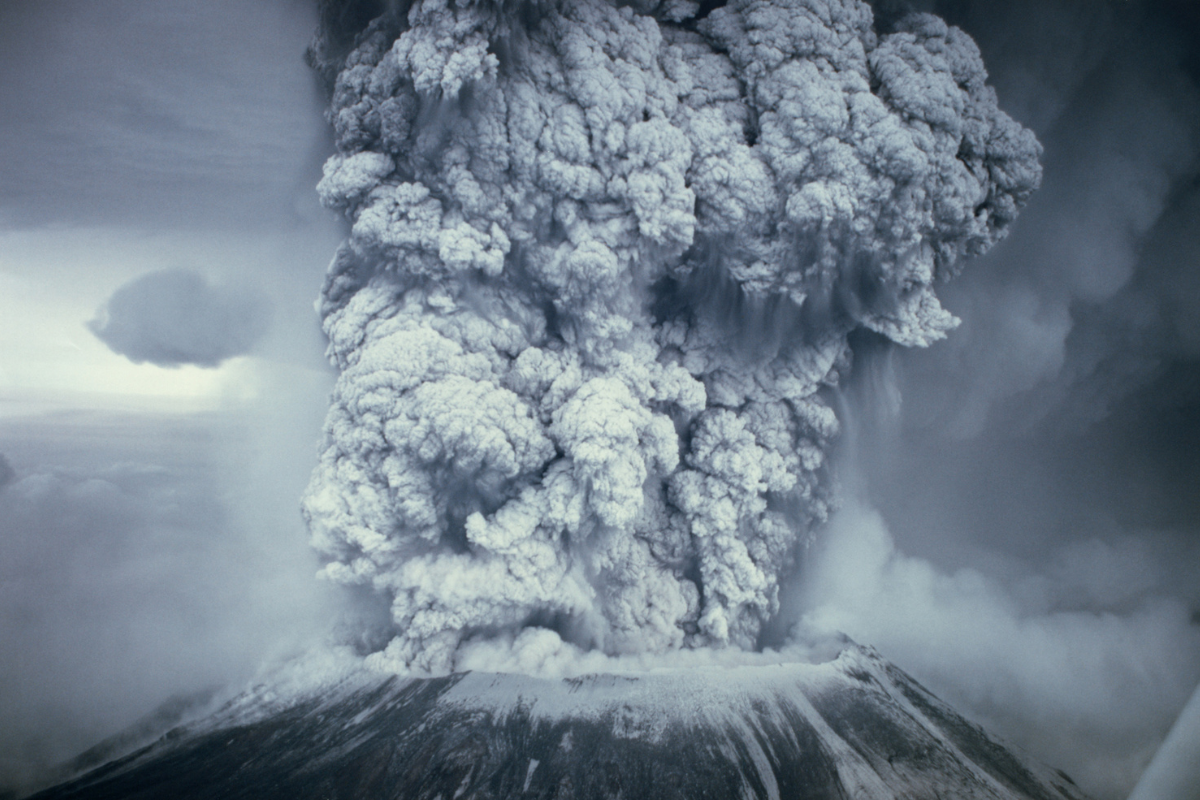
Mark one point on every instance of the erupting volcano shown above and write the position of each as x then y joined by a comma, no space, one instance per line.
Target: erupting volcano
603,266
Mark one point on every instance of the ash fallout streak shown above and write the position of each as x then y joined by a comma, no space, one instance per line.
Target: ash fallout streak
602,267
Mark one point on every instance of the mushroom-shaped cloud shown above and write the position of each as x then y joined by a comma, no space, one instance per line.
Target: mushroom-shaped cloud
602,266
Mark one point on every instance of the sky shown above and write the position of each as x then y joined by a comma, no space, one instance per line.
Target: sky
1019,523
1024,530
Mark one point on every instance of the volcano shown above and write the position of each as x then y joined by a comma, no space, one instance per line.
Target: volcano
852,727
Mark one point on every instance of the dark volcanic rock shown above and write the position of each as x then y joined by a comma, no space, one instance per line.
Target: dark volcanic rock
855,727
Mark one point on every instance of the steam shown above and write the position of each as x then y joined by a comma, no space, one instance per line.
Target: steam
601,270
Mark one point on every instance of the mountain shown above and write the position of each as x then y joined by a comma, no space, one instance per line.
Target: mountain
854,727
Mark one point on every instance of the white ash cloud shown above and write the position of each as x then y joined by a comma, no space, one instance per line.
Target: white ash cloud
175,317
602,265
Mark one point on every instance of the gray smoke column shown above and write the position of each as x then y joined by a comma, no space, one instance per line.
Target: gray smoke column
603,261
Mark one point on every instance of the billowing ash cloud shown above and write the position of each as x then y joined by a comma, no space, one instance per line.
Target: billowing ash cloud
602,263
175,317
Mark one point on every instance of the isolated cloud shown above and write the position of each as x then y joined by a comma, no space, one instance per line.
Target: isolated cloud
601,270
176,317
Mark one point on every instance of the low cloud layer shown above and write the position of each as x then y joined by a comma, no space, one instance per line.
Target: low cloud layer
124,582
176,317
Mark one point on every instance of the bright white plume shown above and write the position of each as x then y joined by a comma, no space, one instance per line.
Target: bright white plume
603,261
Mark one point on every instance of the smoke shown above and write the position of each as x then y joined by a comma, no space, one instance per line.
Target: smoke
175,317
1035,473
601,270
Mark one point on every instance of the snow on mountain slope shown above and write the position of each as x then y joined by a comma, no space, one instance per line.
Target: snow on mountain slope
854,727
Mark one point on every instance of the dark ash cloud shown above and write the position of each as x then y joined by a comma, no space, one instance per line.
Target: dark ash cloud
175,317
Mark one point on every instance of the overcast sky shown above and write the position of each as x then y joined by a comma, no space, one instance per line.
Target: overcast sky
1022,500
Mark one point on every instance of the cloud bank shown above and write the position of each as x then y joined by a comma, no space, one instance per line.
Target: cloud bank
601,271
123,582
175,317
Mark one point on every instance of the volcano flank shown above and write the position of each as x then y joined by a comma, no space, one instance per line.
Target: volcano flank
853,727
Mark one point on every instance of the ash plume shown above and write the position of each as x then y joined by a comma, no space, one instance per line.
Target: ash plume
601,269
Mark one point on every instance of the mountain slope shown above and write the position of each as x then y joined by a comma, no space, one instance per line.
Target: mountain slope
855,727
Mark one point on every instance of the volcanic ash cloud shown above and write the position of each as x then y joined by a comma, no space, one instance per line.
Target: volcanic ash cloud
602,263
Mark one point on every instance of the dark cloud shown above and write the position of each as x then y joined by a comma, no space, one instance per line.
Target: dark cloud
175,317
